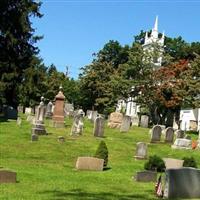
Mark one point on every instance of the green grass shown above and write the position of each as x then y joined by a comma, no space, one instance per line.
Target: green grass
45,169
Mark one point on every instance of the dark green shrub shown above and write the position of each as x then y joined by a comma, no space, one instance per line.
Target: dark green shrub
155,163
192,132
102,152
189,162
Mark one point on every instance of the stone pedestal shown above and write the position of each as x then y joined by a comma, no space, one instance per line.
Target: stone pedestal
58,114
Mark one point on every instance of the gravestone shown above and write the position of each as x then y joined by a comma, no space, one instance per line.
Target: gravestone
19,121
126,123
20,109
77,127
182,183
88,114
169,135
89,163
99,127
182,143
171,163
10,112
7,176
30,119
156,133
38,126
58,113
144,122
198,141
69,109
141,150
135,121
93,116
61,139
34,137
49,112
179,133
146,176
28,111
115,120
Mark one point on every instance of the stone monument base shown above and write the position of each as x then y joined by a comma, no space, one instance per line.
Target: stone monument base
140,157
58,124
39,129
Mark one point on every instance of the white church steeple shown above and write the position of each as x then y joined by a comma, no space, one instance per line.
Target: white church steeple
148,41
154,32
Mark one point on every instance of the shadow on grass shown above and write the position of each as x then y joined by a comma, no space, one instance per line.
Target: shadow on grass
106,168
79,194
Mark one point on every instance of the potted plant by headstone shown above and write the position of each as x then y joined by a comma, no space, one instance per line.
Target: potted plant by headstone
155,163
102,152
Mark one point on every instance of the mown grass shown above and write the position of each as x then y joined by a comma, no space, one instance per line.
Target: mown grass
45,169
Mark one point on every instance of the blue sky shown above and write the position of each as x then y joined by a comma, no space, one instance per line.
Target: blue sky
74,29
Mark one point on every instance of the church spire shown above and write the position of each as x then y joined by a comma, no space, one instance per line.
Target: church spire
156,24
154,33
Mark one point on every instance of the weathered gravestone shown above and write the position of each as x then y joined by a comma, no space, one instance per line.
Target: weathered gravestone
58,113
141,150
38,126
10,112
34,137
49,112
99,127
144,122
179,133
126,123
156,133
89,163
28,111
19,121
169,135
31,119
88,114
182,183
20,109
115,120
182,143
146,176
77,127
7,176
171,163
135,121
69,109
93,115
61,139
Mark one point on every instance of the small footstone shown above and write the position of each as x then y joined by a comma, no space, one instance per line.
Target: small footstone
61,139
7,176
34,137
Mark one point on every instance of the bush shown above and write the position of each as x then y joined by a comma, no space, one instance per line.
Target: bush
189,162
155,163
192,132
102,152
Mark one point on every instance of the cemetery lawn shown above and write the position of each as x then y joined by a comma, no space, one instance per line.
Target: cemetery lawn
46,168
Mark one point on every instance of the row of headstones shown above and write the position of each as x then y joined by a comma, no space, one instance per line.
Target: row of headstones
68,109
157,130
182,141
